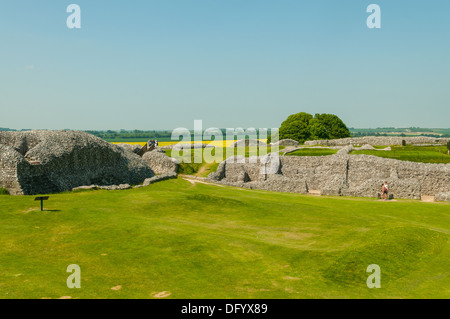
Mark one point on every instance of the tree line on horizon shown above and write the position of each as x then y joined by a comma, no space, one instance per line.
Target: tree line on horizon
316,130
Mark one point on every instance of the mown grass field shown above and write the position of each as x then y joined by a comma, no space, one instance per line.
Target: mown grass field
313,152
176,239
422,154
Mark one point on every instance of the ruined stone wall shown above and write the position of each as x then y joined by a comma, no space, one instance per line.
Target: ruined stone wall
9,160
43,162
135,148
21,141
347,175
286,142
432,178
380,140
160,162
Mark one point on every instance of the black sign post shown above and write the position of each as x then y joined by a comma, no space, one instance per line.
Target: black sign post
42,198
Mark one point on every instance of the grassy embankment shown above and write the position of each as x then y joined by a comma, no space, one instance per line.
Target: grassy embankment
178,240
313,152
423,154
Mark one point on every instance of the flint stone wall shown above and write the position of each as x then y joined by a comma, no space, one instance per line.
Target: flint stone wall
380,140
44,162
158,178
338,175
286,142
135,148
109,188
160,162
443,197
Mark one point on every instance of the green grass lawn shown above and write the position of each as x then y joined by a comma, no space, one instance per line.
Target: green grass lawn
423,154
208,241
313,152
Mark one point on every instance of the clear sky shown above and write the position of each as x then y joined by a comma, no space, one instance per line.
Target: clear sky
147,64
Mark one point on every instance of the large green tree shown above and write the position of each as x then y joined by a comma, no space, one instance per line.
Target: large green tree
303,126
296,127
317,129
334,126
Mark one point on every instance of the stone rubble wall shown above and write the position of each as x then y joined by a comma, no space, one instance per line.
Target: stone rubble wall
10,159
380,140
158,178
286,142
135,148
443,197
109,188
160,162
338,175
44,162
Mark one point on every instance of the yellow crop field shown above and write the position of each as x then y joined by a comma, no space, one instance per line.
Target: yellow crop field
225,143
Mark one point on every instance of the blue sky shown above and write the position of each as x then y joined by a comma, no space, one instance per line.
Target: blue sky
232,63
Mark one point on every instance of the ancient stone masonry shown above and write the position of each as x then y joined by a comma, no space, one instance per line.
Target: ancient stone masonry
286,142
339,175
128,147
10,160
443,197
380,140
109,188
43,162
158,178
160,162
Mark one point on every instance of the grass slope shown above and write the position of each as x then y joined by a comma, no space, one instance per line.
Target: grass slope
207,241
422,154
313,152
